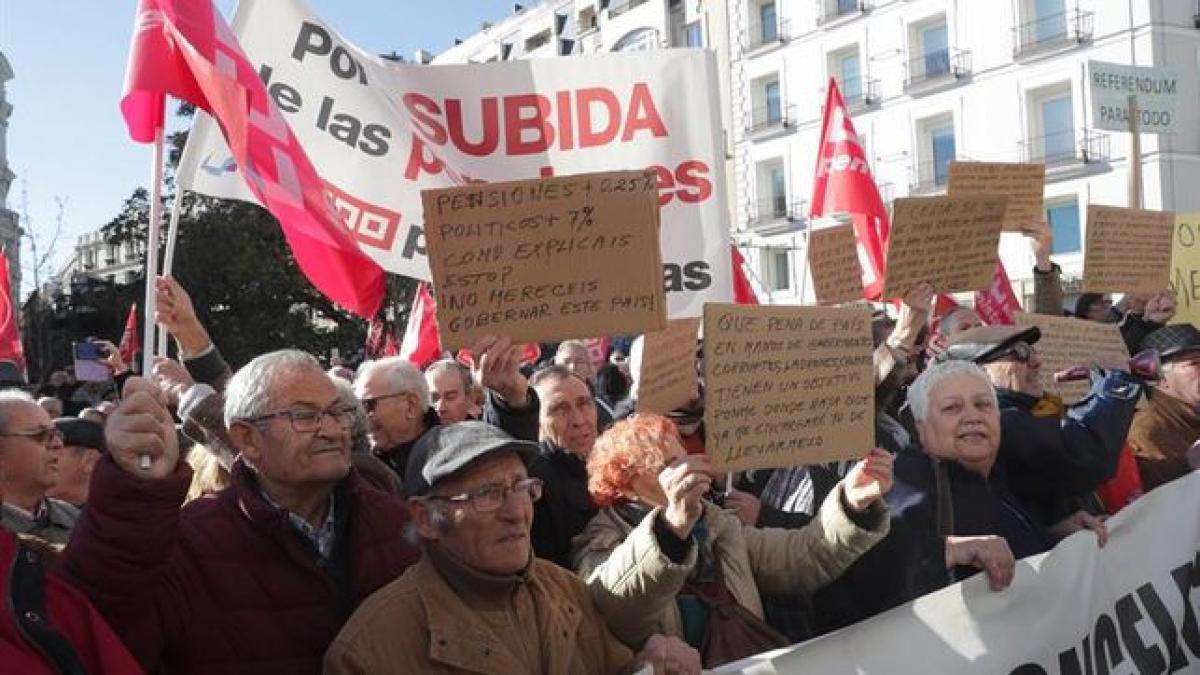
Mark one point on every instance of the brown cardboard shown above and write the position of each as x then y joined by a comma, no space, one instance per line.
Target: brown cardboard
1023,184
787,385
950,242
833,263
668,368
1127,250
1067,342
546,259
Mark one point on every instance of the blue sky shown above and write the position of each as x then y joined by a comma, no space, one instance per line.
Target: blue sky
66,138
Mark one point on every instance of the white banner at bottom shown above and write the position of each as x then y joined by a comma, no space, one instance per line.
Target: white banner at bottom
1077,610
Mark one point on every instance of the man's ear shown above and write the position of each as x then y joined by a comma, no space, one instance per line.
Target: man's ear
246,440
89,461
427,518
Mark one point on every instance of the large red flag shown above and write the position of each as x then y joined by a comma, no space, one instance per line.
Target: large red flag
997,305
10,334
185,49
129,339
422,342
844,184
743,292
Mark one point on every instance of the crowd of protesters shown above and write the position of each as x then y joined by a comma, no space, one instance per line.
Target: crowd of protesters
502,515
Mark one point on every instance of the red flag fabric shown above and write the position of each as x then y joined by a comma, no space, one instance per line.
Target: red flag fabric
844,184
743,292
937,342
129,339
997,305
597,348
185,49
422,342
10,332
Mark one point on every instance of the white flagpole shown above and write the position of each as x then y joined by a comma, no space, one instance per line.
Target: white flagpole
169,257
152,236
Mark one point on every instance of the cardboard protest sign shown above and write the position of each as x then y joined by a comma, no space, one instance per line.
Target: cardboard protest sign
1067,342
1127,250
833,262
1185,268
787,385
950,242
1023,184
668,368
546,259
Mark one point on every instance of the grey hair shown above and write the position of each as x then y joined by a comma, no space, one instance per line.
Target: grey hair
248,393
400,372
922,387
568,345
438,367
358,432
7,398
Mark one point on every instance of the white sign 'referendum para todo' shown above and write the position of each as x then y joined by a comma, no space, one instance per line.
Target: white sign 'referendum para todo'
1157,90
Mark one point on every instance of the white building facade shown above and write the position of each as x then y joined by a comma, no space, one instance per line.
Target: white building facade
10,231
928,81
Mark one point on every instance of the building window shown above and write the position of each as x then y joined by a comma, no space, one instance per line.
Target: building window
941,140
693,35
780,271
587,19
1050,20
935,50
772,101
1052,125
768,22
936,148
846,68
538,40
772,193
1064,224
846,6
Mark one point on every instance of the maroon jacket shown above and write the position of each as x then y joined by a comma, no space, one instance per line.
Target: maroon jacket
226,584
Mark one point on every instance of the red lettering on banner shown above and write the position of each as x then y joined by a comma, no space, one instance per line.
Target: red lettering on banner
666,181
515,124
566,131
370,223
423,109
491,136
691,174
647,119
589,136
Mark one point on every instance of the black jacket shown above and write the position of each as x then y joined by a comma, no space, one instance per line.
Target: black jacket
565,507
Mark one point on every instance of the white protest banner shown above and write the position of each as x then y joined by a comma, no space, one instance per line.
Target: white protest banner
379,132
1126,608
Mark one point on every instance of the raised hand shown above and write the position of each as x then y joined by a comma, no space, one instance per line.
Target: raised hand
1041,240
685,483
174,310
869,480
172,379
668,655
141,427
497,366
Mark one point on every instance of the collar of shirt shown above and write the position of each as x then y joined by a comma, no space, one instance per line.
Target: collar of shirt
322,539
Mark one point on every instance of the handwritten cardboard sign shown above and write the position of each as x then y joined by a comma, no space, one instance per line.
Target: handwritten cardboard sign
546,259
833,263
668,368
787,385
1127,250
1185,268
1023,184
1067,342
950,242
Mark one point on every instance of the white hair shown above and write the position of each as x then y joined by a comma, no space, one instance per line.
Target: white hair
400,373
249,392
920,389
450,365
8,399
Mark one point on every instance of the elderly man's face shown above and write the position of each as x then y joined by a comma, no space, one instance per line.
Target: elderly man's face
287,456
568,415
394,417
962,423
30,465
450,397
578,361
1018,369
494,542
1181,378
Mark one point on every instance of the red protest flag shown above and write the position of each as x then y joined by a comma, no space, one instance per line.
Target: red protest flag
129,339
10,333
422,342
844,184
185,49
997,305
743,292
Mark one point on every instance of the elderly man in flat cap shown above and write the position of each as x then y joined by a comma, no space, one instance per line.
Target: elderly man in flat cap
83,444
479,601
1169,426
1052,456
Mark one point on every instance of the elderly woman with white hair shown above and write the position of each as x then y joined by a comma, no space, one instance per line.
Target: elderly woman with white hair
952,514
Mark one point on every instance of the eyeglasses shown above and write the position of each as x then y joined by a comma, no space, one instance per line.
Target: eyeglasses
1020,352
491,497
369,404
308,420
45,435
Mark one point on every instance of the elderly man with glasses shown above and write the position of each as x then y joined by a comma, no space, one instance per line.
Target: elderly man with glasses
30,447
479,601
259,577
1053,456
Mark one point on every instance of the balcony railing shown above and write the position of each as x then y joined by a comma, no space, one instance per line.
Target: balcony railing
1067,147
831,10
772,117
1052,31
770,35
621,6
776,212
941,64
859,95
927,177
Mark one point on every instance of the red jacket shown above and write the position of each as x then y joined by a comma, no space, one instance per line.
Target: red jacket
226,584
71,615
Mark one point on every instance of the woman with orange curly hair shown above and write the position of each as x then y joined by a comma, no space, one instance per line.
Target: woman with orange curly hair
659,558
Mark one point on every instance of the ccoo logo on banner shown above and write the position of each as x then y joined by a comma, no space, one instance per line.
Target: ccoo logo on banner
379,132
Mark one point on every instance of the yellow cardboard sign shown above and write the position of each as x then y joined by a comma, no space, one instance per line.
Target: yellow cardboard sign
1185,268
